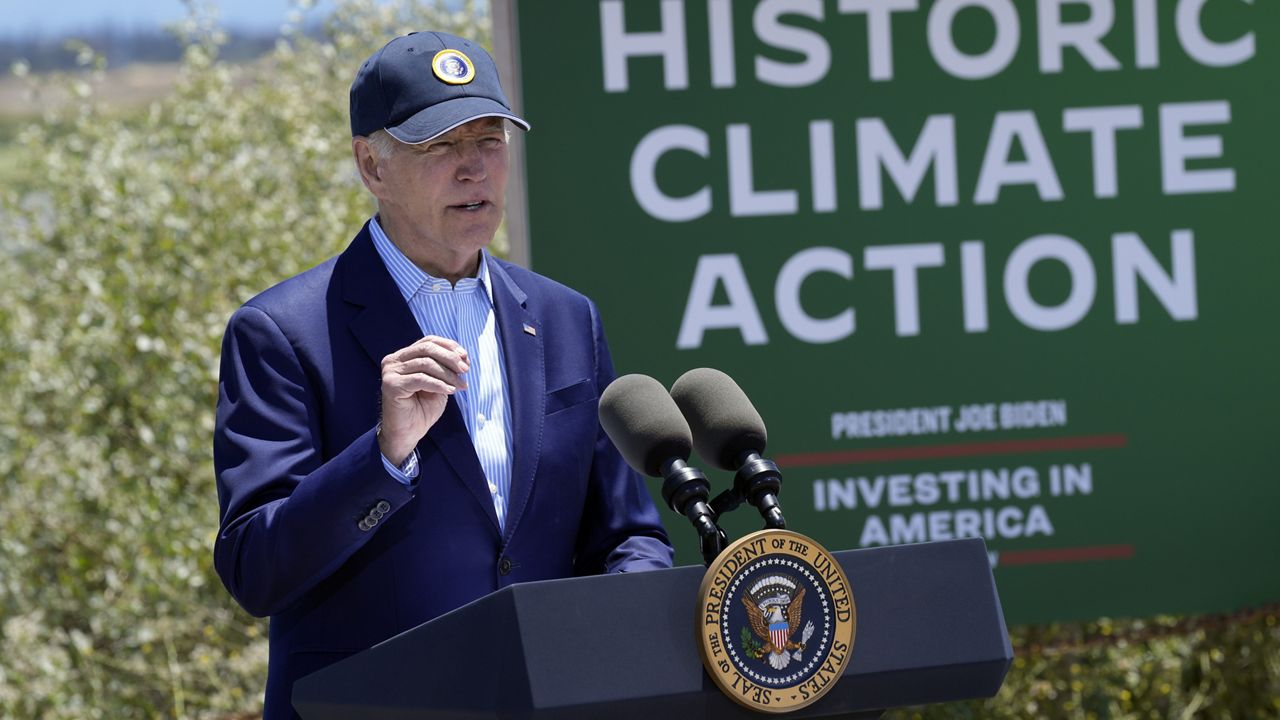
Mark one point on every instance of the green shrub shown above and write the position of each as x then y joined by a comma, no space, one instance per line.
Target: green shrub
1224,667
120,269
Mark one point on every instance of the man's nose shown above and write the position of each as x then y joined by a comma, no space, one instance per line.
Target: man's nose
471,163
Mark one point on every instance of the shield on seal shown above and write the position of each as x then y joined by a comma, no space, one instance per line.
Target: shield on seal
778,635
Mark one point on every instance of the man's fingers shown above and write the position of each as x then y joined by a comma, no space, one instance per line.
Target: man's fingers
435,341
428,366
432,365
407,385
446,352
449,343
443,350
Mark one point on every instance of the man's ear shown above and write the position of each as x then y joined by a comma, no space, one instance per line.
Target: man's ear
367,164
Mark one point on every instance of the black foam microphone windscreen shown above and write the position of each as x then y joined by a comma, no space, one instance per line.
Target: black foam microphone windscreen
724,422
644,423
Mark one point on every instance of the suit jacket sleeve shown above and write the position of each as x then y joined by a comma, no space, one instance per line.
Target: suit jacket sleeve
621,530
289,516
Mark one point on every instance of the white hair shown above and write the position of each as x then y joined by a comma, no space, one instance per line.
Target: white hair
383,144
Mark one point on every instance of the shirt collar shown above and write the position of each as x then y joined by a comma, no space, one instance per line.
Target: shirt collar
411,279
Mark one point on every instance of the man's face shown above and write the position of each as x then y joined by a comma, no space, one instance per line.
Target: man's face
449,192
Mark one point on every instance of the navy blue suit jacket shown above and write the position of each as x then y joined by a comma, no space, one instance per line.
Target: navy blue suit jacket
298,466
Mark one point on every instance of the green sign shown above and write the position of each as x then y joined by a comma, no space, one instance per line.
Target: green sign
986,267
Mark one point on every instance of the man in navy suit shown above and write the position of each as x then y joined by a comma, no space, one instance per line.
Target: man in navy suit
412,424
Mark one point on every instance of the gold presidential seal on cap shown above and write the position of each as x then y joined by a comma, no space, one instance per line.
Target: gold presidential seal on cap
776,621
453,66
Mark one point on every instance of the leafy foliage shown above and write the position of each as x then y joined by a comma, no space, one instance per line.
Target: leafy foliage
750,645
120,269
1208,667
129,239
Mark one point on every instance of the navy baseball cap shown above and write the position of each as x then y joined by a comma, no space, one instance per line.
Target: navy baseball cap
422,85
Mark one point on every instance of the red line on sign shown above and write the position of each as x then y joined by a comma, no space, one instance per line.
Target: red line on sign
1066,555
1001,447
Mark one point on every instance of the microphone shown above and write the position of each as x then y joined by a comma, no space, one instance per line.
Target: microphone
644,423
730,434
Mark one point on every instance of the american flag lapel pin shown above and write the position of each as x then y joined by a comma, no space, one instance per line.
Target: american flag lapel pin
530,329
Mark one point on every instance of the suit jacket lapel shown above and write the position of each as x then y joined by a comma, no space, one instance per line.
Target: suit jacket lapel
386,325
526,382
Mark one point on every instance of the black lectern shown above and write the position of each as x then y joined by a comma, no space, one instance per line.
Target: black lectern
929,629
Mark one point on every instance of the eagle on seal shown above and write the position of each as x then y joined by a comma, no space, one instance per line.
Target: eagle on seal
768,622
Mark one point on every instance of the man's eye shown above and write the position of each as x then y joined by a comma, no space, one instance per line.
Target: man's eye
491,143
438,148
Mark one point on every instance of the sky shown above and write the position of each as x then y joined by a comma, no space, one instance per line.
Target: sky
24,18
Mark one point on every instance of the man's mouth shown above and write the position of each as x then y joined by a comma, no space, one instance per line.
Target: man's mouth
471,206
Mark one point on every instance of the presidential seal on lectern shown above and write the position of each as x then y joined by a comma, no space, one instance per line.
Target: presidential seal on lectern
776,621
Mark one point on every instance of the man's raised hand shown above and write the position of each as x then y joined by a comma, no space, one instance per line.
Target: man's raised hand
416,384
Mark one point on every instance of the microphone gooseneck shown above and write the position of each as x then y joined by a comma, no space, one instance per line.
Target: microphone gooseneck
760,482
685,488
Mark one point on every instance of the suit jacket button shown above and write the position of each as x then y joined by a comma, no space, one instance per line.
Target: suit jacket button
504,566
383,507
363,525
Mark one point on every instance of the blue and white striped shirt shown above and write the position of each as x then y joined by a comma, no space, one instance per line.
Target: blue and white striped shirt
463,313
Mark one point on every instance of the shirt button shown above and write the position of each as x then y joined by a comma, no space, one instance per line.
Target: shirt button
481,419
493,487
